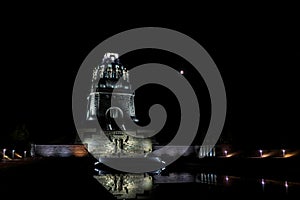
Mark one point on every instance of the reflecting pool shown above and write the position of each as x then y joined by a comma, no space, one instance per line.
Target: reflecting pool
201,184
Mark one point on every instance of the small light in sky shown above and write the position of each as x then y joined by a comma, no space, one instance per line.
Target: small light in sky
181,72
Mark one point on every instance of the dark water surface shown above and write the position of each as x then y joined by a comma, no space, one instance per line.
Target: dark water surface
77,178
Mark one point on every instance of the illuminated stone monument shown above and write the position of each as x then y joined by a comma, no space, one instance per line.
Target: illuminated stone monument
109,76
110,80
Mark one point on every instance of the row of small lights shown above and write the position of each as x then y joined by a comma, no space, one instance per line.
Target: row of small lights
263,182
283,152
260,152
225,153
4,156
285,183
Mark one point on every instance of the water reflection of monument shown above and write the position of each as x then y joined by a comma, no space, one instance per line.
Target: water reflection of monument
142,186
127,186
107,77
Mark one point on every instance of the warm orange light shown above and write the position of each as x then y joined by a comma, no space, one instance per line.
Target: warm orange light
18,155
230,155
287,155
6,157
267,155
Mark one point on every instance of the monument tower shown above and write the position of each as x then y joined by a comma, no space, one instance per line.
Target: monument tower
110,80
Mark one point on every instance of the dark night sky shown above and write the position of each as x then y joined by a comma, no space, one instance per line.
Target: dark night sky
258,60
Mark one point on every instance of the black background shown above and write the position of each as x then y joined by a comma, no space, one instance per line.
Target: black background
257,54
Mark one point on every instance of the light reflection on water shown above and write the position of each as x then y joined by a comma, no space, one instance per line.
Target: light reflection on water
133,186
126,186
